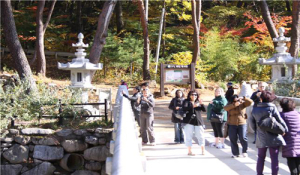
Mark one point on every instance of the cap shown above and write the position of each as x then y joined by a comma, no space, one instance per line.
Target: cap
229,84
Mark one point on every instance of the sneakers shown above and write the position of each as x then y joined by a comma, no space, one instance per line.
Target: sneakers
144,143
212,145
245,155
220,146
235,156
152,144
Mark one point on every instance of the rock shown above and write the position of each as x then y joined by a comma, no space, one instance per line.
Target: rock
99,135
14,131
45,141
6,145
11,169
23,140
64,132
84,172
74,145
45,168
24,169
16,154
102,141
93,166
80,132
6,139
48,152
91,140
98,153
103,170
36,131
37,161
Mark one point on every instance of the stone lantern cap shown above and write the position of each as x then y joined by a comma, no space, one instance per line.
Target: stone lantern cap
281,57
80,62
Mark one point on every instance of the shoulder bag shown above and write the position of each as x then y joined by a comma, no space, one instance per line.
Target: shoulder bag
270,124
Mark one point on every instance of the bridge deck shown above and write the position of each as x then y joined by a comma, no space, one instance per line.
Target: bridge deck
169,158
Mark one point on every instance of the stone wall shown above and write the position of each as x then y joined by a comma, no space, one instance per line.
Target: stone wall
35,151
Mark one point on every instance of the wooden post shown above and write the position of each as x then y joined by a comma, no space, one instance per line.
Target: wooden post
192,75
162,80
60,118
105,109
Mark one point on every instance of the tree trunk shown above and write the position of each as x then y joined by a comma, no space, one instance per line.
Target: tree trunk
288,6
294,49
164,32
41,60
196,14
119,17
79,14
268,20
239,4
144,22
45,27
101,33
14,45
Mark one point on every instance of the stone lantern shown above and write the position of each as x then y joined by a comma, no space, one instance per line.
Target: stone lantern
81,69
282,62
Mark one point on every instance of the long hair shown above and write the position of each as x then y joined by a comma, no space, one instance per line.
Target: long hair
192,92
176,95
232,98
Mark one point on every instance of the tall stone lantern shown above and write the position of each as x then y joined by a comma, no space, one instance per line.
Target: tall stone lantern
282,62
81,69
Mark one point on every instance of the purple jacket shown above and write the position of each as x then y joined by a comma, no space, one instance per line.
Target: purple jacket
292,138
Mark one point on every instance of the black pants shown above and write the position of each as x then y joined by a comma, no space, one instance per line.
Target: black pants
218,129
294,165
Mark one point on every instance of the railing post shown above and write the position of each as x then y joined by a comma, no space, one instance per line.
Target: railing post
105,110
60,118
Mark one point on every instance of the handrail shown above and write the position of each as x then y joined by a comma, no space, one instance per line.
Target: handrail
125,146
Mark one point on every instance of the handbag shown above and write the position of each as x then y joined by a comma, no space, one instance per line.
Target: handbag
225,130
270,124
216,117
180,114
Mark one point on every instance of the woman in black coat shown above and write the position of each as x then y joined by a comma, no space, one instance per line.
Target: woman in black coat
193,121
175,105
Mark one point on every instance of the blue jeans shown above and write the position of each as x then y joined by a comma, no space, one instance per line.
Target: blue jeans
179,138
236,132
190,130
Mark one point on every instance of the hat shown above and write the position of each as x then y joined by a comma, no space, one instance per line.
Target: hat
229,84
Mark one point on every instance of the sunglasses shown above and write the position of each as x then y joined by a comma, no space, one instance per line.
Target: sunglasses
194,95
145,89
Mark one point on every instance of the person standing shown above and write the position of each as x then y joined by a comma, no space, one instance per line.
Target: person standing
193,123
133,100
266,140
175,105
124,83
237,126
147,117
292,138
256,99
229,91
217,105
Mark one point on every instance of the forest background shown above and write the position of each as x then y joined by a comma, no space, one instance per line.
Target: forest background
233,36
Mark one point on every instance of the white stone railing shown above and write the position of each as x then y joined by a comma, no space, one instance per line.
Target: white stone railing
125,147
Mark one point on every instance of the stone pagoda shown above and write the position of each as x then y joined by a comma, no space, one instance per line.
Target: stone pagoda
81,69
282,62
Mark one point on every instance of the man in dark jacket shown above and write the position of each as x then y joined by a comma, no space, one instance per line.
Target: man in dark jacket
136,109
229,92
